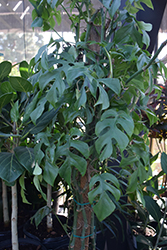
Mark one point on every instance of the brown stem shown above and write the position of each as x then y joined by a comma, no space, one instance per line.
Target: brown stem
5,204
80,227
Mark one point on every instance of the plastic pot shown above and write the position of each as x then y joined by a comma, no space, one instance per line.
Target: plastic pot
25,243
5,235
49,243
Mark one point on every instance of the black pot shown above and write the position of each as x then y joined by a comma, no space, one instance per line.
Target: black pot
5,235
29,243
49,243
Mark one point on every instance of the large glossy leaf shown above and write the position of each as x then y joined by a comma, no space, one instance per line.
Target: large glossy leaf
10,168
5,87
38,22
72,160
5,69
40,214
50,173
23,68
164,162
30,107
5,99
153,208
76,71
14,112
112,126
103,98
145,241
114,7
20,84
26,157
41,123
106,3
81,146
45,78
123,32
112,83
99,185
37,112
56,90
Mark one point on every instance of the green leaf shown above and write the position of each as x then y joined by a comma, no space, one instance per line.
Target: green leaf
20,84
57,89
152,190
99,185
76,71
23,189
23,68
72,160
81,146
142,60
37,170
5,87
123,33
30,107
58,17
36,113
112,83
50,173
104,207
38,22
26,157
109,128
103,98
14,112
65,172
40,52
5,69
37,179
114,7
5,99
106,3
164,162
142,239
40,214
146,39
41,123
153,208
149,3
10,168
145,26
45,78
133,181
75,132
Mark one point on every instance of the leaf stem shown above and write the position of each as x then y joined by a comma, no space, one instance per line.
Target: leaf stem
149,64
161,228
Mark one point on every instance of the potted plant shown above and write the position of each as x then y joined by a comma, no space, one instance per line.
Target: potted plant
16,155
98,86
90,95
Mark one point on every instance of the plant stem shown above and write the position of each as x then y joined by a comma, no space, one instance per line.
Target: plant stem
15,245
93,231
5,204
161,228
49,199
149,64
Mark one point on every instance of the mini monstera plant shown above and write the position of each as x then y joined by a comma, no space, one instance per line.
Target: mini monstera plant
95,87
